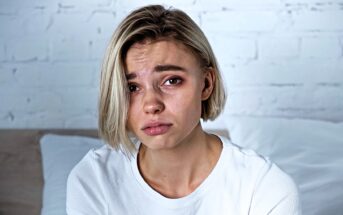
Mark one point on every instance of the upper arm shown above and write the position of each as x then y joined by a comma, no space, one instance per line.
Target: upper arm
287,205
84,193
275,193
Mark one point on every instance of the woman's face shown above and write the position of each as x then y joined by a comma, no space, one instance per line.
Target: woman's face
166,85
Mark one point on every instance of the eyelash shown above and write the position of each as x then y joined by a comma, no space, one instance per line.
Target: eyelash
132,87
178,79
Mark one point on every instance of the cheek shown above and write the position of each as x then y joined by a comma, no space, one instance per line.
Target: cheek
187,103
133,114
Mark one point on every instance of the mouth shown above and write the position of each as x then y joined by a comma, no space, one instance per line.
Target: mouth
156,128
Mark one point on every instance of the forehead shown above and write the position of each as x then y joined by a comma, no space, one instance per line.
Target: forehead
148,54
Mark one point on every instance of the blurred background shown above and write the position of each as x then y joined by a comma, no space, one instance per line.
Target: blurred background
279,58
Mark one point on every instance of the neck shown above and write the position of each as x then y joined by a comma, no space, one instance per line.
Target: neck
178,171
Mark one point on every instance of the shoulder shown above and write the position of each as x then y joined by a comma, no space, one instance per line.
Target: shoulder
269,187
96,161
90,179
259,167
275,192
244,161
84,187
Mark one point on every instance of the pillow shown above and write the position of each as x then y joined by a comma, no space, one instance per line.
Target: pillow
59,155
310,151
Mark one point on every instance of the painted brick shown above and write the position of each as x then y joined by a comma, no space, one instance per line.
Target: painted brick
262,72
267,100
231,21
318,21
328,94
28,49
295,72
7,120
278,58
43,119
60,118
132,4
328,114
102,23
15,7
8,8
320,47
327,71
10,25
238,4
298,98
97,49
278,47
69,49
30,119
84,121
55,75
68,25
251,100
18,6
36,22
231,47
6,76
311,1
315,106
47,119
87,98
83,4
2,50
34,100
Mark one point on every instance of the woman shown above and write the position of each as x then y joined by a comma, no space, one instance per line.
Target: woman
159,78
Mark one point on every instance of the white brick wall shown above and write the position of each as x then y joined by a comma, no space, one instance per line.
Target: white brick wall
27,49
278,58
321,48
278,47
236,21
2,50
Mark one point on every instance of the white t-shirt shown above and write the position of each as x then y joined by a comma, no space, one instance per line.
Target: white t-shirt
106,182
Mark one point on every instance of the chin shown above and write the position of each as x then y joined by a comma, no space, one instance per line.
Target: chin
158,143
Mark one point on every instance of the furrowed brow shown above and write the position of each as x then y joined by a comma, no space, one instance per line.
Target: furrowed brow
131,76
158,68
169,67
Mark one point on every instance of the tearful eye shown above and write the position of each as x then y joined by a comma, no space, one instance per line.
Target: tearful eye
132,88
173,81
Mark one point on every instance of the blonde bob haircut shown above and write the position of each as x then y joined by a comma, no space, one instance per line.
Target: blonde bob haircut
152,22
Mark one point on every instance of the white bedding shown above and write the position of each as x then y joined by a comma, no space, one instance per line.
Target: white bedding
310,151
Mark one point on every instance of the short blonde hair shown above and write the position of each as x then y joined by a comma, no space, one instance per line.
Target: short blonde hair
151,22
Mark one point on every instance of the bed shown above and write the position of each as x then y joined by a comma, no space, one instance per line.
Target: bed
21,174
35,162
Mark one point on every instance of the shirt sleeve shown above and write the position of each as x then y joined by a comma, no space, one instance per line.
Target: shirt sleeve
84,193
275,193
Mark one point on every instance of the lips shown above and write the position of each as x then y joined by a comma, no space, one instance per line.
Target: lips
156,128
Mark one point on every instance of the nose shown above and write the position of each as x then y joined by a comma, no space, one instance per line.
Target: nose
153,103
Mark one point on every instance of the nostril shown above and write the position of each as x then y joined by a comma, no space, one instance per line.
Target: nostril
154,108
153,103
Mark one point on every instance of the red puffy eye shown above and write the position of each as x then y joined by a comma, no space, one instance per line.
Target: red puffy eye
173,81
132,88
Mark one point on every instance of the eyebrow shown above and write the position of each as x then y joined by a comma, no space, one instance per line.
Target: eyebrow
159,68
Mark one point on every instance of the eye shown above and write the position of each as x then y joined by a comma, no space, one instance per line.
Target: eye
132,88
173,81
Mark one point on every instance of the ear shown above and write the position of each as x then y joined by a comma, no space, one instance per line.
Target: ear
209,81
